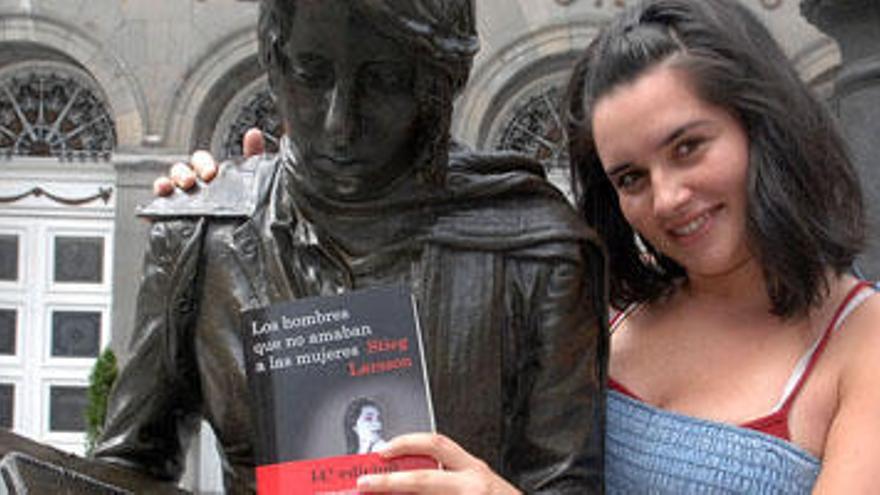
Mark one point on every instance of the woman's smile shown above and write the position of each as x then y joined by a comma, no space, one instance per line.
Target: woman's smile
691,229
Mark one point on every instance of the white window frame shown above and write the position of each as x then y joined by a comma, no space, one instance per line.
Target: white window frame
38,221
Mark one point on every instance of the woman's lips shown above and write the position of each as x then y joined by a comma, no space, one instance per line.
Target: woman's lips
690,230
692,226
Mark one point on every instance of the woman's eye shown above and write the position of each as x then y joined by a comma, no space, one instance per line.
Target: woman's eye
628,181
687,147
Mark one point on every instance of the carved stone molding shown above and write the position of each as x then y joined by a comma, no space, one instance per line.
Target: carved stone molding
104,193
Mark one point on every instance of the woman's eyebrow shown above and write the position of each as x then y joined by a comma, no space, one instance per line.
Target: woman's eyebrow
617,169
679,131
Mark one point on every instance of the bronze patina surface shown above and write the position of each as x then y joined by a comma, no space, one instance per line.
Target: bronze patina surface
27,467
368,190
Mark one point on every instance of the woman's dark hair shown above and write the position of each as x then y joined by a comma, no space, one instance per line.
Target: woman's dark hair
441,36
352,413
805,212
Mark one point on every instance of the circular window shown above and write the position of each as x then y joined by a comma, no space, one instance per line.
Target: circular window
535,127
53,110
530,121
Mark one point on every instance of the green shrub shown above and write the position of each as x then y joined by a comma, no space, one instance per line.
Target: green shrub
100,380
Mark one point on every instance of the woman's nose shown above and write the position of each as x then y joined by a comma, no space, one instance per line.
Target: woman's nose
671,193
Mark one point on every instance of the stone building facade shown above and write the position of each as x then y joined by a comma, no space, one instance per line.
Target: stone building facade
98,97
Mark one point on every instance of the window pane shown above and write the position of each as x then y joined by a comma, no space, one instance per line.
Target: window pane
8,319
7,405
79,259
8,257
76,333
67,406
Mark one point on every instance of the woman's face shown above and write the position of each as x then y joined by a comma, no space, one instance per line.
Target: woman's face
679,166
346,95
369,422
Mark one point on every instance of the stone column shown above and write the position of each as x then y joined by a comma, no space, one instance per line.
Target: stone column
134,179
855,25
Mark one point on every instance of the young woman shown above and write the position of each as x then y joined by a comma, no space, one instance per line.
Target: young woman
745,357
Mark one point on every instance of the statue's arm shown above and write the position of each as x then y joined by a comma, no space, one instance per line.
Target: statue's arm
151,411
557,443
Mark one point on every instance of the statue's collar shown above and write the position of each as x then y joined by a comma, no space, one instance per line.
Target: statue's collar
488,201
357,229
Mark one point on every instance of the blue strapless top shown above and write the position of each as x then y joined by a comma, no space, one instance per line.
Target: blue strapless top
649,450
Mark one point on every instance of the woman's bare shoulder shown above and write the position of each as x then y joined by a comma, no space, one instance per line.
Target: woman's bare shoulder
850,463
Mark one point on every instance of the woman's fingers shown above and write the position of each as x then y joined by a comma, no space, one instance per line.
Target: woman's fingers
201,164
163,186
253,142
183,176
462,473
204,165
441,448
422,481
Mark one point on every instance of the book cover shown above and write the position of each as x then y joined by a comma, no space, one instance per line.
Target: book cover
332,379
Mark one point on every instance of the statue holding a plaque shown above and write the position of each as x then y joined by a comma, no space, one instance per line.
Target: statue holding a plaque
366,191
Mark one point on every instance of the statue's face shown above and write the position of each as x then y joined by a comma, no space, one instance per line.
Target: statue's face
346,95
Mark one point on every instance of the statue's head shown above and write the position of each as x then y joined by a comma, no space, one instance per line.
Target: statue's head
365,87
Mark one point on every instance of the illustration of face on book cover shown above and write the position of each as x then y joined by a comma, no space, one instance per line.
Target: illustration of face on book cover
363,426
336,376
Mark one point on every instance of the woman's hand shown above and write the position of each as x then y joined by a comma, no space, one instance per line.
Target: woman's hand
202,164
462,473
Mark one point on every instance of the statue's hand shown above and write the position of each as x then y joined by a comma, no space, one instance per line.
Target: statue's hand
203,166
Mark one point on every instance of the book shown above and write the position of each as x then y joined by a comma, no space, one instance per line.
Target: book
332,379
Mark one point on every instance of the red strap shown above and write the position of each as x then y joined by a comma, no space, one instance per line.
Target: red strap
616,385
618,316
821,347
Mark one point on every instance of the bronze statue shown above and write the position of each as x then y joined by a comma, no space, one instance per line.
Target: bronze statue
366,190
